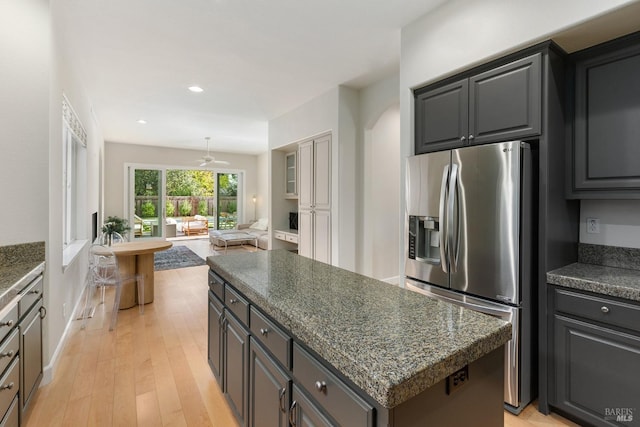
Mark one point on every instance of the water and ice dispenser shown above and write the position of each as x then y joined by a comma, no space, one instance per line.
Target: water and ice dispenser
424,239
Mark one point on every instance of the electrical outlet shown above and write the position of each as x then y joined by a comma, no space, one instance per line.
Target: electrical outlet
457,379
593,225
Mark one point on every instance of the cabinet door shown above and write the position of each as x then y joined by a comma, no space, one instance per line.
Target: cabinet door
597,375
505,103
322,173
607,128
235,366
305,175
305,413
305,233
269,391
322,236
30,354
291,175
442,117
214,345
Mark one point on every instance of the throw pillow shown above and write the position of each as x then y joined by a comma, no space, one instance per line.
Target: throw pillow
261,224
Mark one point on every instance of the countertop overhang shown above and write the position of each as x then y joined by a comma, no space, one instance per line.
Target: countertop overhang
391,342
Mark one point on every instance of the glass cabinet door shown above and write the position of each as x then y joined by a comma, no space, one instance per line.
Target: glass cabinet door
291,189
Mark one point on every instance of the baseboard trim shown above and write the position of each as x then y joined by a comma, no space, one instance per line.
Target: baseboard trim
48,371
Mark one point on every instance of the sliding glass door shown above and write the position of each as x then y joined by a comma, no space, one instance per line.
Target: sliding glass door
146,202
166,202
227,191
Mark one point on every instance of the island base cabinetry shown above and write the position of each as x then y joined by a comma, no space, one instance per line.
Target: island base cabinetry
596,358
271,379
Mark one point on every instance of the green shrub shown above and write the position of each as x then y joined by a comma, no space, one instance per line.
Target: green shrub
232,206
185,208
147,210
171,209
202,207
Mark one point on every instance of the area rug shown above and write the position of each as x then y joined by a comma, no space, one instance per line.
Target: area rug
176,257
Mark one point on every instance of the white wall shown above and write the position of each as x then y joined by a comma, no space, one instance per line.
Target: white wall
24,120
116,155
262,170
463,33
378,219
34,77
619,222
64,290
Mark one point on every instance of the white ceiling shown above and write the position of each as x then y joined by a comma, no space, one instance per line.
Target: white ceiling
255,60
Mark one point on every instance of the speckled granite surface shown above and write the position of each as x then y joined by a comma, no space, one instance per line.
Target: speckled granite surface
609,256
616,282
19,264
391,342
606,270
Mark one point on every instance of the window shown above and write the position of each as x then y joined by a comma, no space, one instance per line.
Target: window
74,161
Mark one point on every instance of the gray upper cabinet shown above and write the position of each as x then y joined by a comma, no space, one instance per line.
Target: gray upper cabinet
442,117
605,145
500,104
506,102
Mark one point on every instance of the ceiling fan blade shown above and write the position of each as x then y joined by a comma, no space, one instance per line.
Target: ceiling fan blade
203,163
221,162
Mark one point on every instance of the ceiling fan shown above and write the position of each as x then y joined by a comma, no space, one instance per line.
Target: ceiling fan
209,158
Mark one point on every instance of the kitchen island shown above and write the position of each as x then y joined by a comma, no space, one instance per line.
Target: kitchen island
341,348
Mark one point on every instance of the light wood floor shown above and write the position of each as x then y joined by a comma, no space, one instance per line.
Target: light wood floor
152,370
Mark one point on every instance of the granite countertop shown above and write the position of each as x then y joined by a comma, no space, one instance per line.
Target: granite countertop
391,342
612,281
19,265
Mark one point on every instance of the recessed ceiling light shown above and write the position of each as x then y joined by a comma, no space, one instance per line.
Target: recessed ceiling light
142,121
196,89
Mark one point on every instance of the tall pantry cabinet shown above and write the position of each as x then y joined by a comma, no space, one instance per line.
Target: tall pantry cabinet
314,199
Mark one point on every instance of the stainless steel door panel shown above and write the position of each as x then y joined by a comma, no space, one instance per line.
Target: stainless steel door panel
425,174
485,221
501,311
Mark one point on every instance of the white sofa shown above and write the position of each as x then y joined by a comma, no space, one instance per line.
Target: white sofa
261,235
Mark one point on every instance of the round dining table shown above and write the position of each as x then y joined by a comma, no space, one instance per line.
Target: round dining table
136,258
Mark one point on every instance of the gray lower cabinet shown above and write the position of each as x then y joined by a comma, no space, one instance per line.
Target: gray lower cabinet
236,351
605,149
596,358
499,104
268,380
305,413
214,342
30,354
269,390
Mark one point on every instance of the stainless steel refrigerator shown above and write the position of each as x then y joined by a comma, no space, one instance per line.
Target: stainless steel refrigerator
469,242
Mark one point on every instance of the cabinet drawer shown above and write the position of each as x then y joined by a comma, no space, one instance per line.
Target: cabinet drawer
271,336
29,296
603,310
11,417
279,235
337,399
8,321
291,238
216,284
8,349
237,304
9,385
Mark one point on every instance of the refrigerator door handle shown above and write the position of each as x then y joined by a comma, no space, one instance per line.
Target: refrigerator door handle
443,220
451,225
